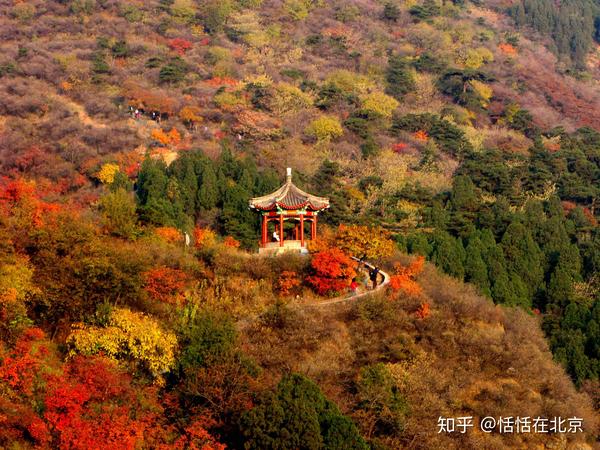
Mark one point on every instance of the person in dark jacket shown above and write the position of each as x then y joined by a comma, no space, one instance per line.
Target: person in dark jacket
373,276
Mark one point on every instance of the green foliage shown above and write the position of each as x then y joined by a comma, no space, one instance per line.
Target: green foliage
458,84
380,397
399,78
391,12
298,416
131,13
449,137
571,24
174,71
206,339
118,213
425,11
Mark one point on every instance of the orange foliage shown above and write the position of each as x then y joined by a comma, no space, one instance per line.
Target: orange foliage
288,281
221,81
203,237
423,312
332,271
166,138
231,242
421,135
150,99
164,284
404,278
169,234
23,195
508,49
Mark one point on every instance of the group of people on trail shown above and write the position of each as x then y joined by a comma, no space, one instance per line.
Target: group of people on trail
137,113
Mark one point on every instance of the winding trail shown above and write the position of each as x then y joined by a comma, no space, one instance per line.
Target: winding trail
347,298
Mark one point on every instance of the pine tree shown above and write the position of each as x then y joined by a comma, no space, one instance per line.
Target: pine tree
399,78
208,194
476,270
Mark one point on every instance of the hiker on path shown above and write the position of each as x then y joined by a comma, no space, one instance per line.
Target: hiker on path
373,276
354,286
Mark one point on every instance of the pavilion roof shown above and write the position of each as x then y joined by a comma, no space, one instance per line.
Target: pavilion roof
289,196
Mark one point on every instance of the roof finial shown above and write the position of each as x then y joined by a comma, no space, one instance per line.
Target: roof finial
289,175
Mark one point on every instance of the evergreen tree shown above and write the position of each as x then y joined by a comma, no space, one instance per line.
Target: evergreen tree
523,257
476,270
208,194
448,254
298,416
399,78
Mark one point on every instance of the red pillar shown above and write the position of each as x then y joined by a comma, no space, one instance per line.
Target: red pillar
314,228
264,231
302,230
281,230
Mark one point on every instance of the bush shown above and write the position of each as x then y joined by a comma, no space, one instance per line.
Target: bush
325,128
174,71
380,104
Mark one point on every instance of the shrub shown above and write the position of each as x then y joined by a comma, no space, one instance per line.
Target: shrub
164,284
107,173
325,128
332,271
359,240
380,104
174,71
128,335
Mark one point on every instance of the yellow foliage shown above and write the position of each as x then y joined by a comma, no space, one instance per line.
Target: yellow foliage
483,90
351,82
230,100
358,240
190,114
247,25
474,58
325,128
15,282
262,80
107,173
381,104
128,335
288,98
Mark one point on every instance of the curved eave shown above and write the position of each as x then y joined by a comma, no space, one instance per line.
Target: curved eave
276,205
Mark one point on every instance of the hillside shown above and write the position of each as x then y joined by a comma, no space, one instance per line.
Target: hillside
466,132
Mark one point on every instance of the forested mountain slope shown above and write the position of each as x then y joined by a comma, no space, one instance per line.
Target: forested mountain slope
464,131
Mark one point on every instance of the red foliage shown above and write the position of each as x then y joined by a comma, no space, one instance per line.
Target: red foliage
332,271
93,405
19,368
204,41
231,242
180,45
404,277
164,284
20,194
400,147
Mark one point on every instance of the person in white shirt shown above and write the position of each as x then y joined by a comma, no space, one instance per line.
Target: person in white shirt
275,236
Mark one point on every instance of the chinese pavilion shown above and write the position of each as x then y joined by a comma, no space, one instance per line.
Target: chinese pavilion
287,205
